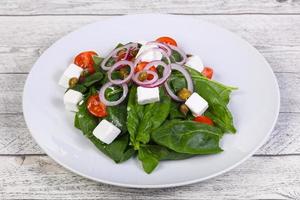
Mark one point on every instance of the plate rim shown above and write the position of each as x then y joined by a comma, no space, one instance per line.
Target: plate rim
168,185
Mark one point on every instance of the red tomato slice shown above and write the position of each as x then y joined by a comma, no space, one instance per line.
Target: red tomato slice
96,107
85,60
141,66
203,119
167,40
208,72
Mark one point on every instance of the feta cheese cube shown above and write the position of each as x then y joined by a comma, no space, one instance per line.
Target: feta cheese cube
106,131
195,63
72,71
147,95
71,99
151,55
196,104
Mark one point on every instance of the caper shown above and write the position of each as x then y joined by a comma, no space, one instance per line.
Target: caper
184,109
124,72
73,81
184,94
143,76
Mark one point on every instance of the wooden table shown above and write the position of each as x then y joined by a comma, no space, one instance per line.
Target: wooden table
28,27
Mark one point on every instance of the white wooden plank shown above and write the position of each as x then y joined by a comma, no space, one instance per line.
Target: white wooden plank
12,87
96,7
38,177
276,37
15,138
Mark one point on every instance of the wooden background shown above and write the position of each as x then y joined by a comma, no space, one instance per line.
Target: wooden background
28,27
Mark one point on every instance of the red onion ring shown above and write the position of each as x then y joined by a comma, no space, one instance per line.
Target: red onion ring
117,65
138,59
187,77
162,46
112,103
166,73
115,51
182,54
135,78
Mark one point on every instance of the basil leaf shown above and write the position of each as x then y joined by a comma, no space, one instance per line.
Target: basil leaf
188,137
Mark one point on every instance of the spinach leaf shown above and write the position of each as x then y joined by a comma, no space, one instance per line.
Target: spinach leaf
118,116
113,93
97,61
188,137
93,78
79,88
175,57
119,150
85,121
134,115
222,90
217,107
175,112
150,155
154,115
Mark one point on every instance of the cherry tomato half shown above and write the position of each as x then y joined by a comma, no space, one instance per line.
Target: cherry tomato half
85,60
141,66
203,119
96,107
167,40
208,72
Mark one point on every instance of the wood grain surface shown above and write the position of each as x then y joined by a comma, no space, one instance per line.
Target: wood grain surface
28,27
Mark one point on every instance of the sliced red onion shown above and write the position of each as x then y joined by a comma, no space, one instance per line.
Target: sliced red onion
112,103
162,46
115,51
166,73
138,59
116,66
135,78
187,77
182,54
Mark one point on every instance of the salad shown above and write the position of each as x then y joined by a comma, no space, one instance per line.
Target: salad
148,100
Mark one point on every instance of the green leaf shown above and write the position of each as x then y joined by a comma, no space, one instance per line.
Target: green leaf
175,112
222,90
97,62
92,79
118,116
134,115
175,56
150,155
188,137
154,115
85,121
118,150
79,88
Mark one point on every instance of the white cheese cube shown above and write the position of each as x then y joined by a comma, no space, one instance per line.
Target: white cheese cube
71,99
195,63
106,131
72,71
147,95
196,104
151,55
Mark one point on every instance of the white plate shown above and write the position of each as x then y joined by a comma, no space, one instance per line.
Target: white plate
255,105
